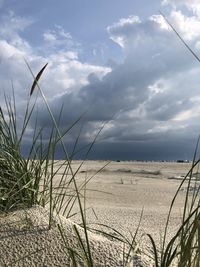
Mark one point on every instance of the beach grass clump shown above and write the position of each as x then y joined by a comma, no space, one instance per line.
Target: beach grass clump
27,180
19,180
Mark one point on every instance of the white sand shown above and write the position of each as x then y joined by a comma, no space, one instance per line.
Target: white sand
25,240
128,187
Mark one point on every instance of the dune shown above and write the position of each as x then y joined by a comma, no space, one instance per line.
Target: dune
25,240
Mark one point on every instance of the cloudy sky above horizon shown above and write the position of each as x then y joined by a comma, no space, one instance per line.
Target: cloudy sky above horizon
118,62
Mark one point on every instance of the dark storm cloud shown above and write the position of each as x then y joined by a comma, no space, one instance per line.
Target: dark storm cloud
145,92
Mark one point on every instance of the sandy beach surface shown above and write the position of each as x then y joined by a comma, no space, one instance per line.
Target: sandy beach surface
116,196
122,190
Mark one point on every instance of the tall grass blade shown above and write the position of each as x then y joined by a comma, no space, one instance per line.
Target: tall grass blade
179,36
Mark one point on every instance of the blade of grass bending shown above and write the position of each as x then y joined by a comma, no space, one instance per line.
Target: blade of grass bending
187,255
154,250
171,256
187,196
81,187
9,128
92,176
63,185
27,116
65,151
87,257
89,149
68,183
135,234
121,237
36,135
111,236
71,252
198,256
36,163
89,208
48,108
65,174
47,105
14,113
59,199
170,244
51,152
189,182
71,126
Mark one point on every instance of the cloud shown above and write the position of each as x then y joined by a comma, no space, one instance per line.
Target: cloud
125,26
188,27
192,5
150,98
58,37
49,37
11,26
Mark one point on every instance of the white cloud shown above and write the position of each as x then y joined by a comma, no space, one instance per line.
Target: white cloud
125,24
193,5
68,75
188,27
49,37
58,38
62,32
11,26
7,50
160,20
64,73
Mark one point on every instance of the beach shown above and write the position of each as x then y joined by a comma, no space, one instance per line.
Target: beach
122,190
117,196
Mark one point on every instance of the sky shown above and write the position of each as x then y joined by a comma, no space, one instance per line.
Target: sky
112,63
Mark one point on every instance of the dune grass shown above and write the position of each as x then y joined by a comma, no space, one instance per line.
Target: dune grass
28,181
19,177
